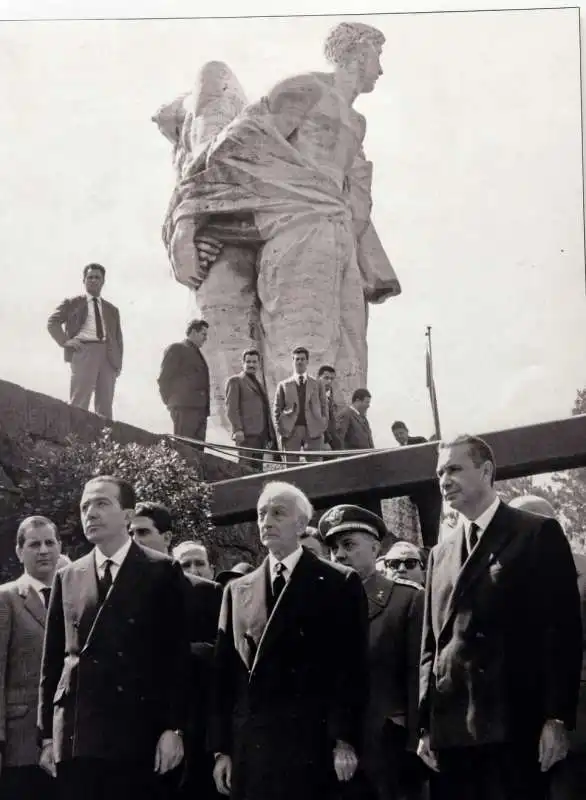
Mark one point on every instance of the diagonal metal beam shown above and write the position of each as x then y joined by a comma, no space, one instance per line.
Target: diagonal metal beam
529,450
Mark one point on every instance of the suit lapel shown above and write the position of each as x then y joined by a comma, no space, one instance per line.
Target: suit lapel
486,552
32,602
86,594
124,590
250,600
277,621
252,384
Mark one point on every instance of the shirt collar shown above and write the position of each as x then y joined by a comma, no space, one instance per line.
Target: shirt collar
117,558
90,297
289,561
35,583
296,377
484,520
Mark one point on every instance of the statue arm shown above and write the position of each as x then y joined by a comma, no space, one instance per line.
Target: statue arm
291,100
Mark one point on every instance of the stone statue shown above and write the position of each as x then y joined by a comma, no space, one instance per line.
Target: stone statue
270,222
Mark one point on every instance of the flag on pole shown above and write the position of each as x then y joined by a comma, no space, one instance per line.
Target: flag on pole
431,385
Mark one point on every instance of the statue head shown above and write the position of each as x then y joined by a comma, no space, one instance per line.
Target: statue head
356,47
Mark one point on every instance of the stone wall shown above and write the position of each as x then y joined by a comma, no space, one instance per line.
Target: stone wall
24,413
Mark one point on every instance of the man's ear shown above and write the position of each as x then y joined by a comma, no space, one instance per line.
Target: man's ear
130,515
167,537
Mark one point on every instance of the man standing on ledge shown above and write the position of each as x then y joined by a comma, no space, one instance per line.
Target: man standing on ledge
300,409
184,382
290,671
88,328
502,640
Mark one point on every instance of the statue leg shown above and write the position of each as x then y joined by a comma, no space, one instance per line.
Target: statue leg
310,294
228,303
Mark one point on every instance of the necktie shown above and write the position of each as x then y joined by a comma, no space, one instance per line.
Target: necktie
301,380
46,592
105,582
99,323
279,582
472,538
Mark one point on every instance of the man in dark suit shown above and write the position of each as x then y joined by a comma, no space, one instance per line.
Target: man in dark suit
23,605
290,673
152,526
327,375
248,410
300,410
502,640
88,328
428,500
352,424
390,767
184,383
114,677
569,781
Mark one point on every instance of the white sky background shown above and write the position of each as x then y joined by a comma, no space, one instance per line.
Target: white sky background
474,131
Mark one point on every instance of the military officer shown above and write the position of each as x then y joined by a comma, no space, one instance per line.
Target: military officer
390,769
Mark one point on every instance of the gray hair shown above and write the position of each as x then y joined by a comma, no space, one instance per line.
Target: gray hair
345,41
302,502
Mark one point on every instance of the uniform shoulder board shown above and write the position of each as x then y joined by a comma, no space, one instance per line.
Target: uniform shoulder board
406,582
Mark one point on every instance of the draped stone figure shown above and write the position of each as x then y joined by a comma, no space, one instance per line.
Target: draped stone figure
270,221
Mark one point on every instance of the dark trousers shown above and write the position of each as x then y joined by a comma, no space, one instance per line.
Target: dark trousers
102,779
489,772
568,778
190,422
244,456
27,783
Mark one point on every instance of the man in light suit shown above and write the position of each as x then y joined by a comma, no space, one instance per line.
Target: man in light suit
352,424
300,409
247,408
114,676
184,382
88,329
390,769
23,605
502,640
290,676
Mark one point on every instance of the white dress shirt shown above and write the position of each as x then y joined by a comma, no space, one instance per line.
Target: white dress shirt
37,585
484,520
289,562
117,559
88,331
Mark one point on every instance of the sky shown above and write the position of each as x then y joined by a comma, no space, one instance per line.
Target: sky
475,134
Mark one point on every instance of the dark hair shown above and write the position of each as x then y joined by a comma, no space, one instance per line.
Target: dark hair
34,522
251,351
99,267
360,394
300,349
196,325
398,424
159,514
126,495
325,368
479,451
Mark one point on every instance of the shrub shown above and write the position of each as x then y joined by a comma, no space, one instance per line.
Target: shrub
56,474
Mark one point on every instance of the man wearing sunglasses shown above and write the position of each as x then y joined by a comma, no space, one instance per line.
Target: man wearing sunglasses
404,561
390,769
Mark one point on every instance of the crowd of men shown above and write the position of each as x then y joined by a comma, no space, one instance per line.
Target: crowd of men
326,672
304,416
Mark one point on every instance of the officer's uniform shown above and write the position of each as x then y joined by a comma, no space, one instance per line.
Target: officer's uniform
389,766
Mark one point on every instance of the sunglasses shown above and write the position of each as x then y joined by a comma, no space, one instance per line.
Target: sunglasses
395,563
193,562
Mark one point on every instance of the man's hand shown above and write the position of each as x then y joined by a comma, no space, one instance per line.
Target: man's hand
426,754
47,758
223,774
73,344
238,437
208,249
169,752
345,760
553,744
